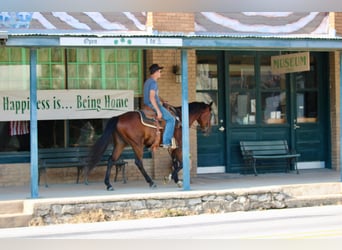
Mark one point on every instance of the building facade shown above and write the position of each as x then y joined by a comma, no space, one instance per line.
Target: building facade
230,62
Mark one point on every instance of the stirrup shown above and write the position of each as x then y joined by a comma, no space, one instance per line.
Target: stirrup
173,143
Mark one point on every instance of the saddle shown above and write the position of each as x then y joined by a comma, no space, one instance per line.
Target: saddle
148,117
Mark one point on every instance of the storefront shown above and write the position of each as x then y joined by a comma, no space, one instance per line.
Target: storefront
255,104
251,101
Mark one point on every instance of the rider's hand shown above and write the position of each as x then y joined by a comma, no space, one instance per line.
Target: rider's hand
159,114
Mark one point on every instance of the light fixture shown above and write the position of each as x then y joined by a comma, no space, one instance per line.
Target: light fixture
176,68
176,71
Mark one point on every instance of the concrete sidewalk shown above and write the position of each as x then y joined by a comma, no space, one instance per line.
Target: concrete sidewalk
209,193
200,183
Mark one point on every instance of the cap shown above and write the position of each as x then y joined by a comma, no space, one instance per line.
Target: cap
154,67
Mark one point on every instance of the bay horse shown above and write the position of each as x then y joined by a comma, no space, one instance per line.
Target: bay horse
128,130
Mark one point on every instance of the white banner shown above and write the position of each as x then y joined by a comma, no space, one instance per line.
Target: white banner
120,41
66,104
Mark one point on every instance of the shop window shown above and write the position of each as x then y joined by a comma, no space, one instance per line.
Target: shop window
306,85
242,89
206,84
256,95
273,93
59,68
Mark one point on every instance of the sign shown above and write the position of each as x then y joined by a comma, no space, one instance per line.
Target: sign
66,104
121,41
296,62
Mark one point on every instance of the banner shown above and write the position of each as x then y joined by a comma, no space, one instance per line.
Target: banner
66,104
296,62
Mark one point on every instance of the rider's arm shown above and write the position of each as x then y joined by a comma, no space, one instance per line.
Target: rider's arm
154,103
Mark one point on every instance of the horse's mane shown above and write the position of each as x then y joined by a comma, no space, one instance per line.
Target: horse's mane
194,107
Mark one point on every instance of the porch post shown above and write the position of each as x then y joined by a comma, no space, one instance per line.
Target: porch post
33,123
185,121
340,115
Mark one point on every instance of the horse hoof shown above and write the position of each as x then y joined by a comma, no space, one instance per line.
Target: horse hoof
179,184
110,188
153,185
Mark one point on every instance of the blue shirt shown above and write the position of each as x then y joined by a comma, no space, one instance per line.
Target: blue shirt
150,84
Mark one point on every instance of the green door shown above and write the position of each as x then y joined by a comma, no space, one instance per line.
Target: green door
310,113
211,155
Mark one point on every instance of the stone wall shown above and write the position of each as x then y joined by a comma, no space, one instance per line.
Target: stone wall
154,206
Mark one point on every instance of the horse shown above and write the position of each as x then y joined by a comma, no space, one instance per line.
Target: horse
128,130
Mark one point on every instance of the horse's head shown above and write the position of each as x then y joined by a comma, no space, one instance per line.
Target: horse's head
204,118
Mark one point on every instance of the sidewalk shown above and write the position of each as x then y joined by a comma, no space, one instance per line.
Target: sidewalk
60,203
200,183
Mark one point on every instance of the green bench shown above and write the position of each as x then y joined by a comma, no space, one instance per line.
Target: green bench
253,151
73,157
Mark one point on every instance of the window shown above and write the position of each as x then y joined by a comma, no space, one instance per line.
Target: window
207,84
242,89
256,95
273,93
59,68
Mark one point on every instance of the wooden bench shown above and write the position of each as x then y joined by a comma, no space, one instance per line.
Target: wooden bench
253,151
73,157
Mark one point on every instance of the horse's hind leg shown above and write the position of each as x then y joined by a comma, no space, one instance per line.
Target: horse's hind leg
140,166
107,177
118,148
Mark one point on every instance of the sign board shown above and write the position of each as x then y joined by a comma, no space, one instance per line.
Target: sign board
296,62
66,104
121,41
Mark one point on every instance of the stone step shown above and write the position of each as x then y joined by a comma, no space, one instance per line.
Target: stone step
305,190
314,200
9,207
15,220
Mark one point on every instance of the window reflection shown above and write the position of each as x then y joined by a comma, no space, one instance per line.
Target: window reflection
274,107
242,89
307,106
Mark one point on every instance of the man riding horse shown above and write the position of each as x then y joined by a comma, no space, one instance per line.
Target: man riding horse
152,100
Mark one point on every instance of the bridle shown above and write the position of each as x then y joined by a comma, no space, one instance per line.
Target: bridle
207,126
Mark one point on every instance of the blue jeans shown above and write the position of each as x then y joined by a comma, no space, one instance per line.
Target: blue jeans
170,125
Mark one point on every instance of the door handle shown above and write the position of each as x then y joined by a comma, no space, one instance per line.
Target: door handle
295,126
221,128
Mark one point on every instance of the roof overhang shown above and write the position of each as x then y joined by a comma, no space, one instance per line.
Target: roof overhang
179,40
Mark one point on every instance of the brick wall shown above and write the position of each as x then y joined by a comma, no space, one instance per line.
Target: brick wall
14,174
338,23
176,22
335,108
169,89
334,61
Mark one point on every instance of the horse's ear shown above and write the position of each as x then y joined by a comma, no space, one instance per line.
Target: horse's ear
211,103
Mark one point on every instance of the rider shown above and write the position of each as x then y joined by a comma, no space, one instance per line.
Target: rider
152,99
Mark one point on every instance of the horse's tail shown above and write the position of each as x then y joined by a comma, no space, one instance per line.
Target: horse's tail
101,144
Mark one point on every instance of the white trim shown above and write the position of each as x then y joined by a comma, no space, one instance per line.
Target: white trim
311,165
211,170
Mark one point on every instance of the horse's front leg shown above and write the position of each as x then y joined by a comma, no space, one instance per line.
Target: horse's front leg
107,177
148,179
177,166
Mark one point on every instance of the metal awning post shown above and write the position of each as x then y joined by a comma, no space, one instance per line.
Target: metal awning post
33,123
185,121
